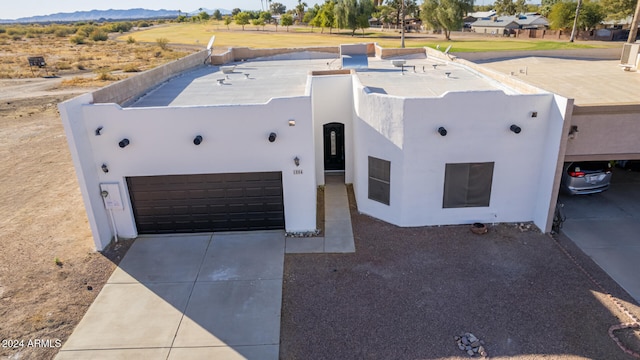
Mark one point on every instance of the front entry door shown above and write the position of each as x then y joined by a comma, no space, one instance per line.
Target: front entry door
334,146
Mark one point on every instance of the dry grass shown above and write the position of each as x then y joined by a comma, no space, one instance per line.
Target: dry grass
64,58
200,33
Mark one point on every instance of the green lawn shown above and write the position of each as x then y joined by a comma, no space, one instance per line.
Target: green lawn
199,34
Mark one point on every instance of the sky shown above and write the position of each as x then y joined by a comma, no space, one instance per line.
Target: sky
25,8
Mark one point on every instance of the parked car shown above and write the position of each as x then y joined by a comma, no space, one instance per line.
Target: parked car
586,177
631,165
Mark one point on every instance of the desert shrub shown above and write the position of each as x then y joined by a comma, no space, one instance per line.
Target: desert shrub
162,43
131,40
63,65
16,31
123,26
105,75
85,30
77,39
16,37
2,30
131,68
143,24
79,66
63,31
99,35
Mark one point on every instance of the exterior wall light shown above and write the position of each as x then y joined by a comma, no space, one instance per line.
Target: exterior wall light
272,137
442,131
197,140
104,168
296,160
98,130
123,143
292,122
534,114
515,128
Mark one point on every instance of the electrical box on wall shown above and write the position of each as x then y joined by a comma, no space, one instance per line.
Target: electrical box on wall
111,196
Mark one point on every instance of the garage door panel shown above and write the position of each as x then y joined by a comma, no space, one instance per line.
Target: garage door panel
207,202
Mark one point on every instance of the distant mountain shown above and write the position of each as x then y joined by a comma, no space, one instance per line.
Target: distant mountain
210,11
110,14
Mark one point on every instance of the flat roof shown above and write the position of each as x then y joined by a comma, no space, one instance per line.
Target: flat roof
429,79
256,81
589,82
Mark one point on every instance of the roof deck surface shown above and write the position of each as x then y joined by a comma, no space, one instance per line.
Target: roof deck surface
589,82
257,81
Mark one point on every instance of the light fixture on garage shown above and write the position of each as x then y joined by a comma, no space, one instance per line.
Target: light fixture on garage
296,160
534,114
292,122
515,128
197,140
573,131
442,131
98,130
123,143
104,168
272,137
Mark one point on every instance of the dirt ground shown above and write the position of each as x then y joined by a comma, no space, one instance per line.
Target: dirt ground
42,218
407,292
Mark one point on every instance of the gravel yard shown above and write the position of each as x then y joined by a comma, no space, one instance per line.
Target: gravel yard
407,292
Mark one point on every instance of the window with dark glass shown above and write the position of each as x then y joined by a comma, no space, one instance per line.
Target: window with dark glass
467,185
379,180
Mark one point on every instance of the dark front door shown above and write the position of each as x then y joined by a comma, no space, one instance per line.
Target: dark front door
207,202
334,146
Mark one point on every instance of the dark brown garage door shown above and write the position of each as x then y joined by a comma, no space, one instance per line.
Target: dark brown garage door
209,202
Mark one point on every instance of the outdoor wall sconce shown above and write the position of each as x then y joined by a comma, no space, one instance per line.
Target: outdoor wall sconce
442,131
105,169
292,122
197,140
534,114
573,131
123,143
296,160
272,137
98,130
515,128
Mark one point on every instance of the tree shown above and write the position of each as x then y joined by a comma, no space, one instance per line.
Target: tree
386,14
227,21
591,15
445,14
287,20
562,15
618,9
300,9
326,17
235,12
277,8
521,6
258,22
545,7
353,14
505,7
217,15
204,16
242,18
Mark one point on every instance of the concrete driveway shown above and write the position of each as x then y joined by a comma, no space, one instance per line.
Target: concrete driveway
198,296
606,227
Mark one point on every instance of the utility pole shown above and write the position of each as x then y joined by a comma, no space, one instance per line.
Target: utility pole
633,33
402,25
575,22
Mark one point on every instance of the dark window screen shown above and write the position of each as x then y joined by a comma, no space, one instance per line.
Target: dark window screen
467,185
379,180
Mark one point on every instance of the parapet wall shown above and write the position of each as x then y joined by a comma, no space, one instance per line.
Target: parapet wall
383,53
244,53
125,90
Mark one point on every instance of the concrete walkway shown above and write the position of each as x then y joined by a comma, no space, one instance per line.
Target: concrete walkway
204,296
338,233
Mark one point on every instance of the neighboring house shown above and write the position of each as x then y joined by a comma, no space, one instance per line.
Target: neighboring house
188,148
505,24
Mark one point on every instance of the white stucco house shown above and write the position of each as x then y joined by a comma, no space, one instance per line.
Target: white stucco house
190,148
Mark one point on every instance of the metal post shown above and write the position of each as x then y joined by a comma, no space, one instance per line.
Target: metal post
402,22
575,22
